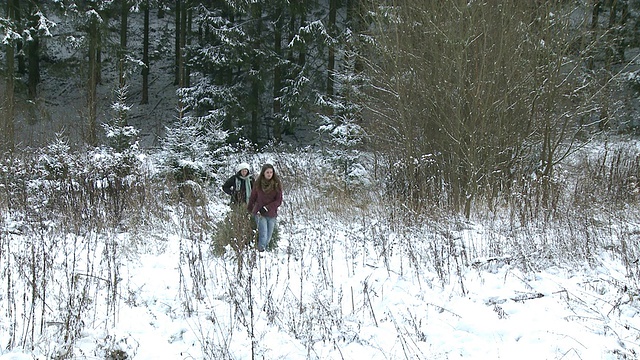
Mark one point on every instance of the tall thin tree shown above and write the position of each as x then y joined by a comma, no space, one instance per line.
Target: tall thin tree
20,43
33,50
145,54
254,100
331,57
8,126
122,51
177,47
183,40
93,78
277,71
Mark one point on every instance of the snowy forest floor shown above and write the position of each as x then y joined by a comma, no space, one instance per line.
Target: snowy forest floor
354,276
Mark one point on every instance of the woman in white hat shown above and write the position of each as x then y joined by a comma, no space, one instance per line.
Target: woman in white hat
239,185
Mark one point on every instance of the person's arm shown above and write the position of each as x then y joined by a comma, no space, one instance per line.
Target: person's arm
252,201
272,207
277,201
229,185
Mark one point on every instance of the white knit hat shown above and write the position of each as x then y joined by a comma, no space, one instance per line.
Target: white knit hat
243,166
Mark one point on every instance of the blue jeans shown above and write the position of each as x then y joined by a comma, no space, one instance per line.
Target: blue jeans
265,230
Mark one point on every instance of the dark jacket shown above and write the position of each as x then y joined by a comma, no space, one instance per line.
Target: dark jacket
235,187
272,200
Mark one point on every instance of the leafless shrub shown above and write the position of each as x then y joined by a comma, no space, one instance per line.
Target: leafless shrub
611,175
70,208
82,261
215,340
117,348
471,108
194,226
236,230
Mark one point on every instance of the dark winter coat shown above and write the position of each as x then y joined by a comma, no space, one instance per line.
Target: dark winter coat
259,199
235,187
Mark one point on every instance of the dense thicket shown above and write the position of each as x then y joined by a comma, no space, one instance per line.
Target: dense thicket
463,99
431,141
469,99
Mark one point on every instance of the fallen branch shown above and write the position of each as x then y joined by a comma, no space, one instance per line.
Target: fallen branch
520,297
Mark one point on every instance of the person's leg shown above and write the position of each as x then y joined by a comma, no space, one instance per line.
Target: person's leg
271,224
263,230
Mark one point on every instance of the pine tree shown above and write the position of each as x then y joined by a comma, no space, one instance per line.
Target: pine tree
121,137
259,67
193,148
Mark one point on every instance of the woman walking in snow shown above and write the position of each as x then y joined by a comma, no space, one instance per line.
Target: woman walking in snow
264,201
239,185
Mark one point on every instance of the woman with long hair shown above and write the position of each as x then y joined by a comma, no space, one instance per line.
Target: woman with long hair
266,197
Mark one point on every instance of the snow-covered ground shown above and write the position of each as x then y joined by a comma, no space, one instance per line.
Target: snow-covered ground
349,279
344,283
373,311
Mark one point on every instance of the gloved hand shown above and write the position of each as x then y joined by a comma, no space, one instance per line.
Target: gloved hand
263,210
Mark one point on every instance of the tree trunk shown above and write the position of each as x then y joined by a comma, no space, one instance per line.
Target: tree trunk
277,74
178,52
354,21
98,53
613,12
331,61
92,82
160,9
595,14
254,101
302,57
20,44
184,22
8,125
33,53
298,8
145,54
124,16
292,30
33,50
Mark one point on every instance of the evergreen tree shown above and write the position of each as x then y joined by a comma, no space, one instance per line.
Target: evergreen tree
222,64
120,135
37,27
193,149
342,119
254,74
11,37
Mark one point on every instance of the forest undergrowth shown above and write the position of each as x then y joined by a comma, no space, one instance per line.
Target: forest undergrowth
73,229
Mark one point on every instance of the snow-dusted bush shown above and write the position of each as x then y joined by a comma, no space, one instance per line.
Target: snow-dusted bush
344,152
609,176
235,231
120,136
73,184
108,169
14,179
193,149
117,348
56,161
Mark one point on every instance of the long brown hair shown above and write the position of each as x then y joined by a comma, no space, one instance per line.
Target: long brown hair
268,185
